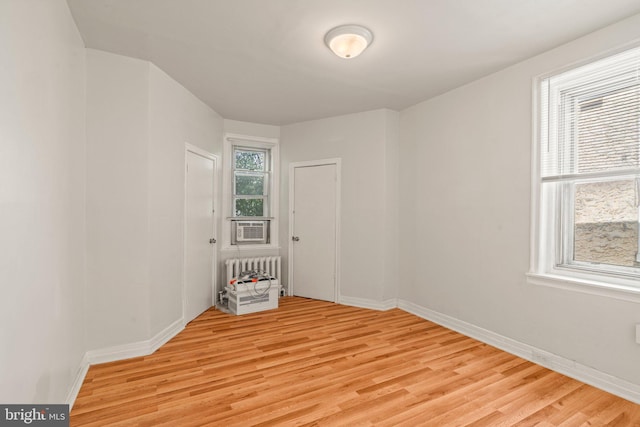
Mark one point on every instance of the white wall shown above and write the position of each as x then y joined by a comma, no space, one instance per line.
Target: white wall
139,120
394,211
117,298
366,143
251,129
42,227
176,117
465,182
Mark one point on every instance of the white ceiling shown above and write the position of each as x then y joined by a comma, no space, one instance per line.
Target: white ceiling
265,61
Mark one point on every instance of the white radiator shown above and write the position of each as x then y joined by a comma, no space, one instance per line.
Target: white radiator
270,265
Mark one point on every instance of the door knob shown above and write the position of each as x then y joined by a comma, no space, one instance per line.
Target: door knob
295,238
212,241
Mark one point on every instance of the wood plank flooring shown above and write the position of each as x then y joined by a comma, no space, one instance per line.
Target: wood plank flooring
317,363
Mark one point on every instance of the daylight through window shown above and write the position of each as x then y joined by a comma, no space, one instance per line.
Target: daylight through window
250,182
250,192
589,151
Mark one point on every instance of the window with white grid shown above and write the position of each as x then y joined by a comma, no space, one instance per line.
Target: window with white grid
588,173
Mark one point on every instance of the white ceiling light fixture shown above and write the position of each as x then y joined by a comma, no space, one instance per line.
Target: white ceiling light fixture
348,41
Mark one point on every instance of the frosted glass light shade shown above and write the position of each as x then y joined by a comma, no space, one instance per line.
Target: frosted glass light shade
348,41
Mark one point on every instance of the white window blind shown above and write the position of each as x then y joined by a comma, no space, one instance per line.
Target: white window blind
590,120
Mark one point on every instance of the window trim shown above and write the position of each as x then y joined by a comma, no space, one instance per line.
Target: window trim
266,183
273,144
544,237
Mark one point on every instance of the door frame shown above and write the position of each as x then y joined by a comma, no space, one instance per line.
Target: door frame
323,162
216,202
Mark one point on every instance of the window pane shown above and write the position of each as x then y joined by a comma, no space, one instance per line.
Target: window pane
249,207
249,184
250,160
590,118
608,131
606,223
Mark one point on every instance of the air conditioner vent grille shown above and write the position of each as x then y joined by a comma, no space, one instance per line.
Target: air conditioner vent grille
251,231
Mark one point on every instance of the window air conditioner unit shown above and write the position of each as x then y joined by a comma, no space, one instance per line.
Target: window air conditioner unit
251,231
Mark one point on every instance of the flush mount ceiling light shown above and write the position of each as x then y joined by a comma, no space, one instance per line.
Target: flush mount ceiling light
348,41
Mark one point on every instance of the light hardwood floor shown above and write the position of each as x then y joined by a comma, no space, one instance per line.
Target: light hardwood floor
317,363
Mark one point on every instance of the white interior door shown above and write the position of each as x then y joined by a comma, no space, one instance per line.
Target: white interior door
314,217
199,235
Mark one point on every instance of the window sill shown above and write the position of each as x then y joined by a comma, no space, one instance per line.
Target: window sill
622,291
247,248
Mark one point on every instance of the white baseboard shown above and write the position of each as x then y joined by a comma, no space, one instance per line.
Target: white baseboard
367,303
570,368
120,352
77,382
162,337
135,349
